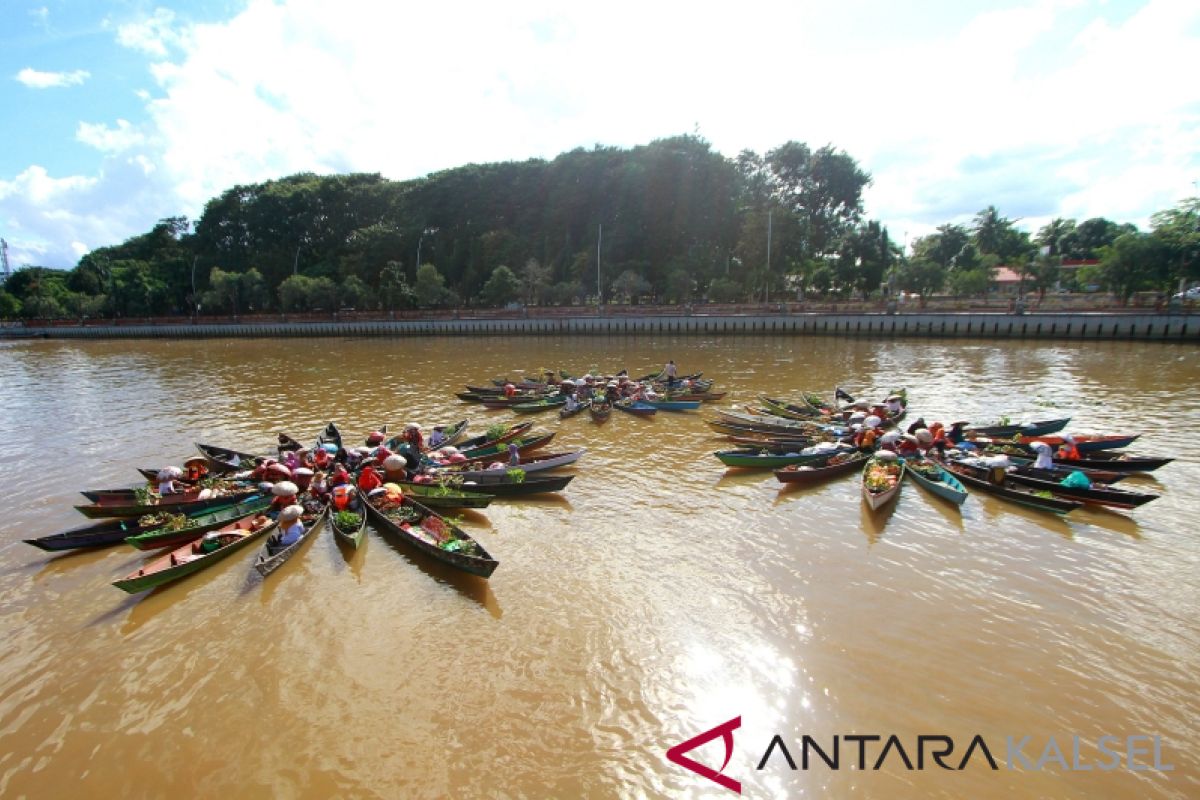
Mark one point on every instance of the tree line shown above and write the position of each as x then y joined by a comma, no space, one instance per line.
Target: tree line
671,221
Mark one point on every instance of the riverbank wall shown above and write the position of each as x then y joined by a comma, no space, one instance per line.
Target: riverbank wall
1152,327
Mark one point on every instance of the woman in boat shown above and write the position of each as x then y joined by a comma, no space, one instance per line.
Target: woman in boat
1068,449
285,495
510,391
571,404
166,480
195,469
291,528
302,477
514,454
412,435
321,459
1045,456
908,445
955,435
339,476
344,497
375,439
369,479
438,437
394,469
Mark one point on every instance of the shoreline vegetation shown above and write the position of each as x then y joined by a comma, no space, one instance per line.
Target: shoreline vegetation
668,224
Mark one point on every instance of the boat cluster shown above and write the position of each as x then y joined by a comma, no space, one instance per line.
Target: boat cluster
595,393
224,499
808,440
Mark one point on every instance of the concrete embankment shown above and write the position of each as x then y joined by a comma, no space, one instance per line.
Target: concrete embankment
1155,327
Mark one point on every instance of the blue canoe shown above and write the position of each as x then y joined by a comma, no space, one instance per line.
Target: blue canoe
673,405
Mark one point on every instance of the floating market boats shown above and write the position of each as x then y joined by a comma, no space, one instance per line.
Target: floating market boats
934,477
881,478
414,524
195,556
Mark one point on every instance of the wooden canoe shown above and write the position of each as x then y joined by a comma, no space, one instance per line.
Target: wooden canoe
198,524
934,477
513,431
352,535
444,496
881,479
600,410
271,558
222,460
636,408
185,506
978,478
673,405
536,463
1040,428
418,526
190,559
820,470
525,445
564,413
1097,494
98,534
764,459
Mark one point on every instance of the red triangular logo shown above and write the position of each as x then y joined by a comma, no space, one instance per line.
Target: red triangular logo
724,730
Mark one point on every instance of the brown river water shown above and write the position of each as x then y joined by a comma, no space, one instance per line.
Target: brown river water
657,597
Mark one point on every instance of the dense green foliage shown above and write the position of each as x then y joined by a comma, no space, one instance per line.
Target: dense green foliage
681,224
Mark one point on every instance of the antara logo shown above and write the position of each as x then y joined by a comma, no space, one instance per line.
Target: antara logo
725,731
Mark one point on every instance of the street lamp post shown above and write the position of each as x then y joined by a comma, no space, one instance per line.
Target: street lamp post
195,300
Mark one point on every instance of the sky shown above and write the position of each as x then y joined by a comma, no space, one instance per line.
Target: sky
118,114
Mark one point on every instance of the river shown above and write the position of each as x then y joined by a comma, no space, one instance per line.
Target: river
657,597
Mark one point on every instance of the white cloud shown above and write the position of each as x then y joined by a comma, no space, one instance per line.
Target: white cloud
153,35
109,140
36,79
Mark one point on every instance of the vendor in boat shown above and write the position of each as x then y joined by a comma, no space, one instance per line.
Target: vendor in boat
369,479
291,528
1045,455
510,391
889,442
671,373
209,543
322,459
908,445
895,404
285,495
956,435
571,404
412,435
319,487
302,477
166,480
917,426
395,469
340,476
514,455
344,497
924,438
375,439
195,468
1068,449
438,437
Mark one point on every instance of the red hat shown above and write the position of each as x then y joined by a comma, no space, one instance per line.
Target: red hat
375,438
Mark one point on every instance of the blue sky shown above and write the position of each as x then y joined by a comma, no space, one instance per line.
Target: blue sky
121,113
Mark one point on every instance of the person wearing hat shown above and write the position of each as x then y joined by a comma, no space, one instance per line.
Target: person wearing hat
285,495
438,437
209,543
195,468
394,469
1045,455
291,528
1068,449
302,477
867,435
412,435
375,439
339,475
917,426
369,479
322,459
908,445
514,455
166,480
